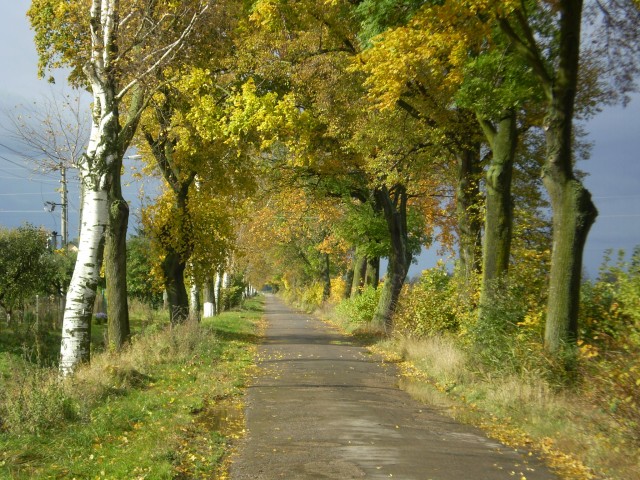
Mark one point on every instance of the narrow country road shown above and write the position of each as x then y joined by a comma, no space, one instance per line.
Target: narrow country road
321,408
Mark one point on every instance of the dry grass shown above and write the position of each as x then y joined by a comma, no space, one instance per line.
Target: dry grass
578,440
36,398
437,355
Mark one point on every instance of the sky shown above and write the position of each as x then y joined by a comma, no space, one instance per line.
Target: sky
613,169
23,192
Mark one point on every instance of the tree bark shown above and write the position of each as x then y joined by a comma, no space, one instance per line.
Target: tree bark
102,152
469,218
326,277
573,210
498,225
348,283
194,302
395,213
173,268
76,324
359,272
209,297
219,286
372,275
118,330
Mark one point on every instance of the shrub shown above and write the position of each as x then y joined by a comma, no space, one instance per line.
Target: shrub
610,340
359,310
34,399
504,337
432,306
311,297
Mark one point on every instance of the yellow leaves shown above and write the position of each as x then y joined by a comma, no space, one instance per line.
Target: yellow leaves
265,12
429,52
587,351
532,319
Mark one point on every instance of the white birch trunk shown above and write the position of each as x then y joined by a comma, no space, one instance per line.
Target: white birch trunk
76,324
94,169
218,292
194,301
209,297
209,309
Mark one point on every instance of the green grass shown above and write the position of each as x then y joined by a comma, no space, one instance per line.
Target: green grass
167,407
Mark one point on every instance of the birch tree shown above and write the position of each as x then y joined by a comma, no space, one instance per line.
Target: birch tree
114,55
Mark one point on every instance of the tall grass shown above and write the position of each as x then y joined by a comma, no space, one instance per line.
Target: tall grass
36,398
149,410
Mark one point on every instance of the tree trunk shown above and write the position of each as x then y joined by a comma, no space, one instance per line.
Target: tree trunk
218,291
209,297
348,282
173,268
469,217
76,324
395,214
572,208
372,275
118,330
498,225
194,302
571,204
62,300
326,276
359,272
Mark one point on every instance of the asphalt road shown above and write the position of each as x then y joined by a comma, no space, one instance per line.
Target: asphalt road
322,408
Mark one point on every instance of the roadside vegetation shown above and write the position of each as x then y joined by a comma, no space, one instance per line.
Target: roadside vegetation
297,144
491,369
165,406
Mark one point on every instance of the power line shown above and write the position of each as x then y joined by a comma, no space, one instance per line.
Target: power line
15,177
616,196
23,211
12,162
26,193
30,211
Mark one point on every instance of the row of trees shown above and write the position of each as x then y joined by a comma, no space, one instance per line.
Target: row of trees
346,130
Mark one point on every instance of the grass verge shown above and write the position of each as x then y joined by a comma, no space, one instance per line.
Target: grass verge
167,407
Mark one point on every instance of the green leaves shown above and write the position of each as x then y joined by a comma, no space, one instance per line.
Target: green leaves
27,267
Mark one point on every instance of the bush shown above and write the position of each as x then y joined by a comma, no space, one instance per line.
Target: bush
35,399
432,306
359,310
504,337
311,297
610,340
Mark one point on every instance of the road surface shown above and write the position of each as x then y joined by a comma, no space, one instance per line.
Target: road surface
323,408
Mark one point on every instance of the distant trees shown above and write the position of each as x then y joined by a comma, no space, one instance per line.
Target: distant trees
28,267
140,275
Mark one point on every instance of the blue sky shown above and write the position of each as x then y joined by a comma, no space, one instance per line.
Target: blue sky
614,166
